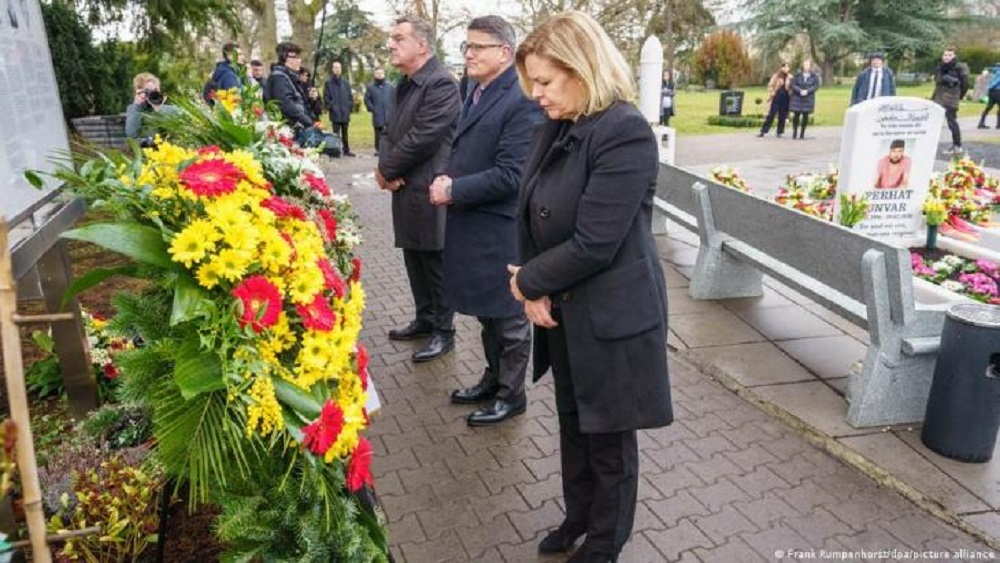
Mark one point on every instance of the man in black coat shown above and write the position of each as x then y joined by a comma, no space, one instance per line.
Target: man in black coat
282,85
379,99
480,189
340,101
415,148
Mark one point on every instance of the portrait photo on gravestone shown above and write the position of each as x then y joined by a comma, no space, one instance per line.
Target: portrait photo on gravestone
892,170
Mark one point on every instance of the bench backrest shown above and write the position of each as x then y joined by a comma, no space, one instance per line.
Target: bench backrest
826,252
107,131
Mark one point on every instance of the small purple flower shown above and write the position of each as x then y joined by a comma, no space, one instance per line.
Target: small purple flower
979,284
989,268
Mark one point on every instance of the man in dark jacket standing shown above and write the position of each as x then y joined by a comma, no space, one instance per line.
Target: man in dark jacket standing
416,147
379,99
876,81
282,85
339,100
951,82
224,76
480,189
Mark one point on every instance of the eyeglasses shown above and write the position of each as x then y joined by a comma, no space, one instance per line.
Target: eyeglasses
477,47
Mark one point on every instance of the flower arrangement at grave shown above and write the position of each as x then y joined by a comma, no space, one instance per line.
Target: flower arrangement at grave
250,362
729,177
976,279
967,194
810,193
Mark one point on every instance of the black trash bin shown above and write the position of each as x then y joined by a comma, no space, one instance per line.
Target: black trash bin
963,410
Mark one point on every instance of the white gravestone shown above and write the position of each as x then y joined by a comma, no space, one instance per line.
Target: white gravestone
32,130
887,152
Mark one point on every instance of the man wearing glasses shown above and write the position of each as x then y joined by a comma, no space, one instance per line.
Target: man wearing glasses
480,190
415,147
281,86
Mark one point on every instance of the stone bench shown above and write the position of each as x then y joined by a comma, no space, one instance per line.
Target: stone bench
865,281
105,131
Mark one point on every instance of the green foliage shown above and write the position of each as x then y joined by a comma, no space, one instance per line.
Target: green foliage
119,497
736,120
303,517
721,57
119,425
44,378
978,58
90,78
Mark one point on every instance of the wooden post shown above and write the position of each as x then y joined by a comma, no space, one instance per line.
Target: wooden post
18,398
68,336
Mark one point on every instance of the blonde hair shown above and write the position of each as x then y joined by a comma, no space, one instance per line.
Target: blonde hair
140,80
576,43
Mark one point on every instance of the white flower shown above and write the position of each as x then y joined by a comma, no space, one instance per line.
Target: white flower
952,285
941,266
952,260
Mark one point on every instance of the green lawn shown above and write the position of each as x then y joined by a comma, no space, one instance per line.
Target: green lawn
694,108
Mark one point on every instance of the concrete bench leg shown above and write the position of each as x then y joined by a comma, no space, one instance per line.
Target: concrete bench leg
720,276
890,392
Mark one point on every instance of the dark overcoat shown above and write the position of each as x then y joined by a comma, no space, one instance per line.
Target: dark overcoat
490,146
379,99
799,83
416,147
861,85
585,240
339,99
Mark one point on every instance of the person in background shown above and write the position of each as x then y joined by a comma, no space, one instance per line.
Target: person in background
339,100
803,98
313,103
283,86
257,72
226,74
380,96
590,277
148,100
666,99
993,95
778,99
875,81
951,82
305,82
414,149
479,188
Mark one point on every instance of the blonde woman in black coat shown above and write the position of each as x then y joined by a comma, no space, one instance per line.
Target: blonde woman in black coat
589,276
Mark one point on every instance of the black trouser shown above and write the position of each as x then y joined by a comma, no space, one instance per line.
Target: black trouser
797,117
378,135
994,100
951,116
600,472
507,345
424,270
779,110
340,128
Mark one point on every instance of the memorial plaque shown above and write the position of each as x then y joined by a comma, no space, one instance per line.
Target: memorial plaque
887,153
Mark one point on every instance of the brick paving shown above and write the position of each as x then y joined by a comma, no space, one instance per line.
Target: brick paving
725,482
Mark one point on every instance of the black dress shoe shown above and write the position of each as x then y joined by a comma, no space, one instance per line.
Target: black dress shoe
476,394
498,412
437,347
561,539
410,332
584,555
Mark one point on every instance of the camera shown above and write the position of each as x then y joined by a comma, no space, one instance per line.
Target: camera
154,97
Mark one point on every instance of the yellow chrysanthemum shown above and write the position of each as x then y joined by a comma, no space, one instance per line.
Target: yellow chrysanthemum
245,161
304,283
264,415
193,243
232,263
209,275
275,252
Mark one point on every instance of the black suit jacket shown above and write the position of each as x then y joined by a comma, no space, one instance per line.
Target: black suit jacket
416,146
487,155
585,240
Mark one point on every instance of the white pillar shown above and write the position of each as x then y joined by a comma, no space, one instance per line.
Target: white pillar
650,86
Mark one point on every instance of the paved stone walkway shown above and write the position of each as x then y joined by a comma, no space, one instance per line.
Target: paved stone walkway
724,483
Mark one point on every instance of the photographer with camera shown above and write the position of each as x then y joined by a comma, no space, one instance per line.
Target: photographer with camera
951,82
148,100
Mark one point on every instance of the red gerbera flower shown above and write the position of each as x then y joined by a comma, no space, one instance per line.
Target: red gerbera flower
362,356
209,150
261,302
332,278
317,315
359,468
110,371
284,140
318,184
282,208
356,273
211,177
328,226
321,434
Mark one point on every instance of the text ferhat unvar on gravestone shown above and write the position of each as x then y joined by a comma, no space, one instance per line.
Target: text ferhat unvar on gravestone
887,152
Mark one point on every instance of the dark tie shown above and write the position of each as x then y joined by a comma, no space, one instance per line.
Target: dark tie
476,94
